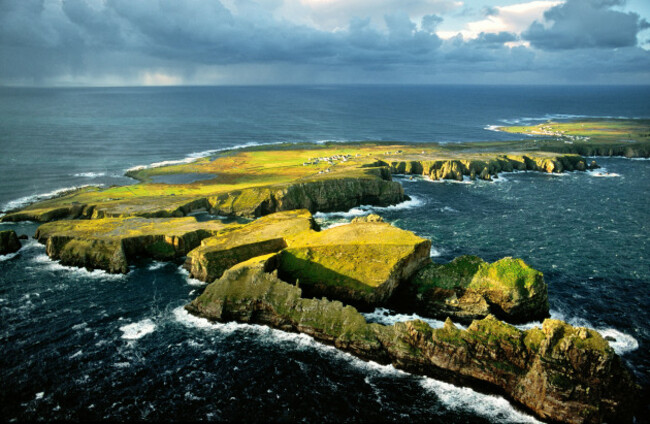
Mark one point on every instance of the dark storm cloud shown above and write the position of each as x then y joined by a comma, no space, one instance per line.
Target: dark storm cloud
38,36
586,24
49,41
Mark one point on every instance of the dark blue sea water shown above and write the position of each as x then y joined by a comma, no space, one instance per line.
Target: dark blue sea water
89,346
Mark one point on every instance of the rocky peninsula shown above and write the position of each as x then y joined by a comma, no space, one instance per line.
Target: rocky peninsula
267,261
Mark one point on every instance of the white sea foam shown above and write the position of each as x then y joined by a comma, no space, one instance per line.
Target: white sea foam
8,256
413,202
197,155
448,209
435,252
138,330
27,200
192,321
558,116
39,395
388,317
492,128
156,265
90,174
495,408
76,354
637,158
191,281
51,265
602,173
622,343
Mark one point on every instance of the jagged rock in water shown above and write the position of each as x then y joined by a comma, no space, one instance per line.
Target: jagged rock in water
361,263
238,244
110,243
468,288
367,218
559,372
9,242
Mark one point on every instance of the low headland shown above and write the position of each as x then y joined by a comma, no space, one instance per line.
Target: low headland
267,261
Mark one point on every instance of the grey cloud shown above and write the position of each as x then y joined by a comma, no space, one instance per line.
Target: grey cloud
430,22
489,11
586,24
42,40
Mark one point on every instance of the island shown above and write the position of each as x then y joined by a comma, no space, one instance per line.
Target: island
267,261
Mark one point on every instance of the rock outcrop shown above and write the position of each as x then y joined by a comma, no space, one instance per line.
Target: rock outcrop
238,244
367,218
456,169
559,372
336,193
468,288
110,243
9,242
360,263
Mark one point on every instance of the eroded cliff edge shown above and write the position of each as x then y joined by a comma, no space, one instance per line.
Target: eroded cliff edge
559,372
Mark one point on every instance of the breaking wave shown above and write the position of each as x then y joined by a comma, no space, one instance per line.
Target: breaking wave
495,408
138,330
413,202
28,200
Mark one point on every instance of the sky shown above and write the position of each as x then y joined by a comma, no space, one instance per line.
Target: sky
242,42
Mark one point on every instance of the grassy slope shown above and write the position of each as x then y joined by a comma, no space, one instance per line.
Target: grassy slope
281,165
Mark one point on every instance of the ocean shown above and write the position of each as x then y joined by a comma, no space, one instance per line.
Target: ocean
79,345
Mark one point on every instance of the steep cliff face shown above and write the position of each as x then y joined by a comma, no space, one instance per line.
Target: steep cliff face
240,243
110,243
628,150
373,187
9,242
468,288
456,169
361,263
559,372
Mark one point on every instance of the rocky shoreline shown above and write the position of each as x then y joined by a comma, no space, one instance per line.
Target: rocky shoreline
282,270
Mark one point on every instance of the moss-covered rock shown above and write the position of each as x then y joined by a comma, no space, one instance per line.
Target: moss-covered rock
373,217
361,263
246,293
559,372
9,242
110,243
468,288
240,243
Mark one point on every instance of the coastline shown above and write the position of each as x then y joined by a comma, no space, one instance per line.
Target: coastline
447,169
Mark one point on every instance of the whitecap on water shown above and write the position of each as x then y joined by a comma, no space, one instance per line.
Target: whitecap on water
138,330
8,256
388,317
495,408
197,155
27,200
76,354
413,202
602,173
190,281
182,316
448,209
621,343
89,174
156,265
435,252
